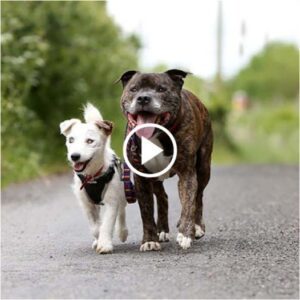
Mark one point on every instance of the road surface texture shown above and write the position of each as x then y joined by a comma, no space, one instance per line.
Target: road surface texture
250,249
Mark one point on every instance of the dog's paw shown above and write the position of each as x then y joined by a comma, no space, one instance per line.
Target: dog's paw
94,245
150,246
183,241
123,234
199,232
104,248
179,238
163,236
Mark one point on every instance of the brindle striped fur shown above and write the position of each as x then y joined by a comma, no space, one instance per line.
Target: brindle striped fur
194,140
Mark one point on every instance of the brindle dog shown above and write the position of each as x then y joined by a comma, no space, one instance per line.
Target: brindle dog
159,98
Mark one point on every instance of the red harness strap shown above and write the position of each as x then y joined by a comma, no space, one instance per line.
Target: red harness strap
89,178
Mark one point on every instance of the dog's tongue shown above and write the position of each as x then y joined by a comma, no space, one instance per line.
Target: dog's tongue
78,166
146,132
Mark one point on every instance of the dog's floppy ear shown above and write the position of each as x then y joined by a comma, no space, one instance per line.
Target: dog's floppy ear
106,126
126,77
66,126
177,75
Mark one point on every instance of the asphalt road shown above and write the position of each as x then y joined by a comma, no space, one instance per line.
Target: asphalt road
250,249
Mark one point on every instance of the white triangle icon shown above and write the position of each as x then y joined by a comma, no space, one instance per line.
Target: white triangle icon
149,150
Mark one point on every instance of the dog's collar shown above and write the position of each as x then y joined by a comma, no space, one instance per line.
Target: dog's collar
89,178
95,185
173,126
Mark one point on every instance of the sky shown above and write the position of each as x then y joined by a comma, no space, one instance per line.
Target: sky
182,33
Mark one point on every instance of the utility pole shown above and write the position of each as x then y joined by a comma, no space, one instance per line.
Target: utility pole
219,45
242,40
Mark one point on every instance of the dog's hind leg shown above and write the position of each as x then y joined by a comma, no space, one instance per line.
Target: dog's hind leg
121,224
203,176
162,211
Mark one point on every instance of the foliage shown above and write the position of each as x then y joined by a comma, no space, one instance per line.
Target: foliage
267,133
271,74
56,56
218,105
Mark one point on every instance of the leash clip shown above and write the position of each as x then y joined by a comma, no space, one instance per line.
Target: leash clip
133,148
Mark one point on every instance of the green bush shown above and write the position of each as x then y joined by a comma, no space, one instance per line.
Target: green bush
267,133
56,56
271,74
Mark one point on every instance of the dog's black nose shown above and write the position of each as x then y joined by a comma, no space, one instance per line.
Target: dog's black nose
75,156
143,100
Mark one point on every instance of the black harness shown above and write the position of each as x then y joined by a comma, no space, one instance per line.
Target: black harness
97,187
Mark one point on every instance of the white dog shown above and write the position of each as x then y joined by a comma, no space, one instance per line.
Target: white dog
97,178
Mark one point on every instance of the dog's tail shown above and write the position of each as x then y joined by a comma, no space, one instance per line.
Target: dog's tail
91,114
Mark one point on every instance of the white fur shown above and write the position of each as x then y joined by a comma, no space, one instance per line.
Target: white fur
66,126
183,241
92,114
163,236
179,237
150,246
155,104
102,218
133,105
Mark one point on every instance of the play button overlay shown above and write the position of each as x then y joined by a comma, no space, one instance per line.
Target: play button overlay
149,151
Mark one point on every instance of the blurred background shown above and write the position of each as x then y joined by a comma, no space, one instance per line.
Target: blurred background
56,56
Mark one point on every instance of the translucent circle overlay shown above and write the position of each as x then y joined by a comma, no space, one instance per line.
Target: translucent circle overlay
167,168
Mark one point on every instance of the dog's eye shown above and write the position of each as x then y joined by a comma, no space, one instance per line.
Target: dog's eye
89,141
133,89
71,140
161,89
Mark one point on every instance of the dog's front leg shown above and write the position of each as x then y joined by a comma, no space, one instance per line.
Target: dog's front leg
144,193
162,211
187,187
92,212
108,220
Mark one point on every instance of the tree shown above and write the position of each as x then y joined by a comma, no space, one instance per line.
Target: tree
272,73
56,56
